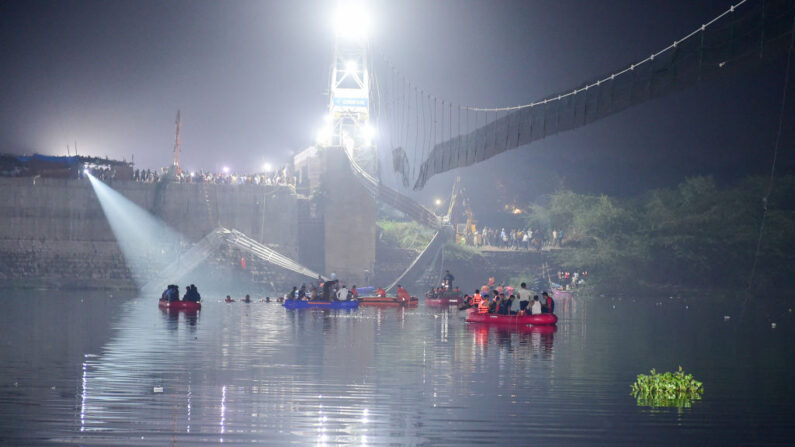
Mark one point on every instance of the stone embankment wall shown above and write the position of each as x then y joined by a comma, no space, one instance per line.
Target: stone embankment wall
53,232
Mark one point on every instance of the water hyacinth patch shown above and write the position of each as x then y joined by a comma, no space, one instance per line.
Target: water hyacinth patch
669,389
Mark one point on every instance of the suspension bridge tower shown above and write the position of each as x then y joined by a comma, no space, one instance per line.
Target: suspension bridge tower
347,124
344,151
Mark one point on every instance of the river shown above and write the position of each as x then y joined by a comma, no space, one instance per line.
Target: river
86,369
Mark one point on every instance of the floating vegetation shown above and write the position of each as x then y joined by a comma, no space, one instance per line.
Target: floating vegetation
670,389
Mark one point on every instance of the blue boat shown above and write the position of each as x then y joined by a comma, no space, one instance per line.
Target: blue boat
300,304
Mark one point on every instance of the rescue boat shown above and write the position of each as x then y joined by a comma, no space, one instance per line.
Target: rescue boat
387,301
444,301
301,304
512,320
179,305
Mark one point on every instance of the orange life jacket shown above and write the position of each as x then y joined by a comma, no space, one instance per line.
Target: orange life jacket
476,299
483,307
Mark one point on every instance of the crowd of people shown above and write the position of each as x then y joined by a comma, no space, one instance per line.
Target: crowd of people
323,290
571,280
513,239
503,300
282,176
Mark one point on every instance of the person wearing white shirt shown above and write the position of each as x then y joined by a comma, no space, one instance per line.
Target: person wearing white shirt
342,294
535,307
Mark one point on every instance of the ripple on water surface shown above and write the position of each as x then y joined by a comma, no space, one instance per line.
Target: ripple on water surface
99,371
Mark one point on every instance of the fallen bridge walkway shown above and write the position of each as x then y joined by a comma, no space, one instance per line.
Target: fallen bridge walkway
210,244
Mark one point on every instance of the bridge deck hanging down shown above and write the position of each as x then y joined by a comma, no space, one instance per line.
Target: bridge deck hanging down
747,36
419,213
203,249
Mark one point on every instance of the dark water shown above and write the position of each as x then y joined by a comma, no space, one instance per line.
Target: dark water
88,370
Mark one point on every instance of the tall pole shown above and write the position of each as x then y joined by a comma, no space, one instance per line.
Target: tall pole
176,142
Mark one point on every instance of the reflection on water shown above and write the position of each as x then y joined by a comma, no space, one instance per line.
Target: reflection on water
131,374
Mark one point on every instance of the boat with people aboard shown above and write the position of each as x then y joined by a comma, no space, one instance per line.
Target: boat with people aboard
444,301
388,301
169,299
303,304
549,319
444,296
179,305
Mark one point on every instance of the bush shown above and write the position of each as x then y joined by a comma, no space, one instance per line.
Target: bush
668,389
405,235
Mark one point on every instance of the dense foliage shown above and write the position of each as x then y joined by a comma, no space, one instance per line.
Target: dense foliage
668,389
696,235
406,235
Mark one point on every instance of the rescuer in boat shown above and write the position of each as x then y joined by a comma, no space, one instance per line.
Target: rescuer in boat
381,292
354,292
535,307
476,298
494,305
483,306
191,294
342,293
505,305
403,294
548,307
302,292
171,293
524,297
448,280
328,287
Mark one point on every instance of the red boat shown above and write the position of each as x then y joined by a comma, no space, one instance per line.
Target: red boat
179,305
513,320
444,301
387,301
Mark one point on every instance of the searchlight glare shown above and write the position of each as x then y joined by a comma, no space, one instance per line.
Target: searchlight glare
351,21
226,169
324,134
351,67
367,134
267,167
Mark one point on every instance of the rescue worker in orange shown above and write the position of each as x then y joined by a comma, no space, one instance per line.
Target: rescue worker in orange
476,298
381,292
483,306
403,294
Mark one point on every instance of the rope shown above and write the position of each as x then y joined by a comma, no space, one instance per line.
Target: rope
599,82
771,180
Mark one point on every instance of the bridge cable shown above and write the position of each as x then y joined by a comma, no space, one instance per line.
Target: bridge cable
771,179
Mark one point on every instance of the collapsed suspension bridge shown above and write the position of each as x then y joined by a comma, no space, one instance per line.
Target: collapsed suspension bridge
429,135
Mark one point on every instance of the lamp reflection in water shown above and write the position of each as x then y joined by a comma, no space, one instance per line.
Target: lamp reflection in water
223,412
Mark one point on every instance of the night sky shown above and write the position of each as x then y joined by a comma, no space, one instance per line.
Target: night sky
250,79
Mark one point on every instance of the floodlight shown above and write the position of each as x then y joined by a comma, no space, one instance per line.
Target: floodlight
324,135
351,66
351,21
